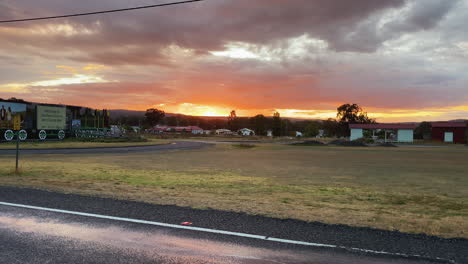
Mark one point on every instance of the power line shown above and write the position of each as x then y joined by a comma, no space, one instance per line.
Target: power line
99,12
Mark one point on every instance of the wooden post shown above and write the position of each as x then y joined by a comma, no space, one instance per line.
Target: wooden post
17,152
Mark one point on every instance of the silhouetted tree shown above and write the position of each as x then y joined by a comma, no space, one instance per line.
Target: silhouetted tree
276,124
332,128
233,121
259,124
423,131
153,116
312,129
287,127
351,114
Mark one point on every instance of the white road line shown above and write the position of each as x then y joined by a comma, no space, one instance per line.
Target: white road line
215,231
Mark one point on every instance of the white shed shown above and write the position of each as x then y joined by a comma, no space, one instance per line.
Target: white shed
246,132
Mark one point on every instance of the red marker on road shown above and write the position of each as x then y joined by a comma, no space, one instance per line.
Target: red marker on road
186,223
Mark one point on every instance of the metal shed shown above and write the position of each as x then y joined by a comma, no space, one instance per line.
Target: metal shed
405,132
450,132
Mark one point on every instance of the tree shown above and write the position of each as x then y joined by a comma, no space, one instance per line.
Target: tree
312,129
353,114
276,124
331,128
259,124
287,128
350,114
423,131
153,116
233,121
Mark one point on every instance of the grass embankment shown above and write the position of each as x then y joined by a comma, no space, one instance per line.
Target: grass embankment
420,190
84,143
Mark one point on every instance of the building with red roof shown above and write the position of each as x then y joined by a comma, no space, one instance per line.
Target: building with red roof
180,129
450,132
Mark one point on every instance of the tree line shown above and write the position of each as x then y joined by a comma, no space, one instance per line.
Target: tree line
338,127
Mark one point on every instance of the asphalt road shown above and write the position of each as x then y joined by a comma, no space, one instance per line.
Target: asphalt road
38,236
179,145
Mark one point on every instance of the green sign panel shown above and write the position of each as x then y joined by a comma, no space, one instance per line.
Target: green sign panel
51,117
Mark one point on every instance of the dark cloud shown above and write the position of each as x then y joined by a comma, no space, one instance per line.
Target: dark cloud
423,15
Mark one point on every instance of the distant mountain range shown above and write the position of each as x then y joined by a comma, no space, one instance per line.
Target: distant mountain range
116,113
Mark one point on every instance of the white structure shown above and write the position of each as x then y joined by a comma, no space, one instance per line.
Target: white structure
269,133
207,132
136,129
246,132
405,135
223,131
404,132
298,134
115,130
356,133
197,130
321,133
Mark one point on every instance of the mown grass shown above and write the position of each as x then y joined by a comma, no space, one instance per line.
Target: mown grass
420,190
83,143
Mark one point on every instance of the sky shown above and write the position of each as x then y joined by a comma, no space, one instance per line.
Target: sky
401,60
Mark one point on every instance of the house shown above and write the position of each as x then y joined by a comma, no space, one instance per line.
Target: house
269,133
246,132
298,134
196,130
223,131
450,132
179,129
158,129
401,132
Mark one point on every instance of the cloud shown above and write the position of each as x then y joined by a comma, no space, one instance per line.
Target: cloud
202,26
244,54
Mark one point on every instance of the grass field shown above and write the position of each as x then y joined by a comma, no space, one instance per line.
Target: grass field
419,190
71,143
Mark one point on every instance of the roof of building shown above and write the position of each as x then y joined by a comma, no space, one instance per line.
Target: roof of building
175,128
384,126
448,124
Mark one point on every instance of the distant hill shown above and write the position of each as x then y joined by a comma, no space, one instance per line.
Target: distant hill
116,113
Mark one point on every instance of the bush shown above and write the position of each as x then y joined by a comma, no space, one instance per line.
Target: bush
365,140
354,143
387,145
244,146
113,140
308,143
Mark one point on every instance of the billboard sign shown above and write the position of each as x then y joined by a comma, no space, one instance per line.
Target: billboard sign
51,117
11,112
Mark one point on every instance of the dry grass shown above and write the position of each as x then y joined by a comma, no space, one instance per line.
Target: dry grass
421,190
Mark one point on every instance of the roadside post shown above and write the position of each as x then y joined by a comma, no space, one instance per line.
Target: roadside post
17,150
17,128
